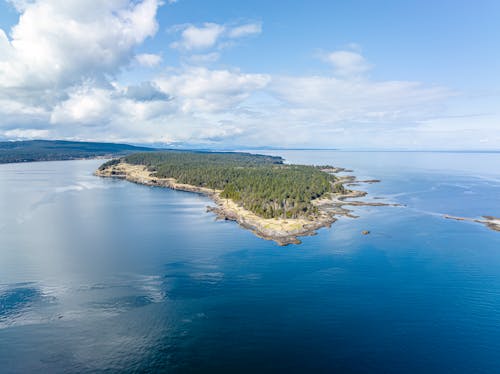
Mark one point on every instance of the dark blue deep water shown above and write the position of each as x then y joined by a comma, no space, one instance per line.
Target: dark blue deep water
104,275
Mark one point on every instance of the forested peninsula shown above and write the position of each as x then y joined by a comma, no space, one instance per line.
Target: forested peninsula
276,201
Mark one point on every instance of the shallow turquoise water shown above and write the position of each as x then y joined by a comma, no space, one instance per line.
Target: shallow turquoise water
104,275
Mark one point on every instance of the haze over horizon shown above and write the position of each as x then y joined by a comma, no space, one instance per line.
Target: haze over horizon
357,74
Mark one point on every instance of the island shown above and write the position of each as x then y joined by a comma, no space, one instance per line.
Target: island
276,201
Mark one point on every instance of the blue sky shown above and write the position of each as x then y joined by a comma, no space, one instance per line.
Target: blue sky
341,74
434,41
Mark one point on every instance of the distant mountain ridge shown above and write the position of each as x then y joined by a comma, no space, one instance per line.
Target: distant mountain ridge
54,150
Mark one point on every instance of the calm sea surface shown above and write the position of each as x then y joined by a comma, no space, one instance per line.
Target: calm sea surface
105,275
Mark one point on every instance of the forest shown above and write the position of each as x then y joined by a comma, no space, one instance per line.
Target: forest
53,150
259,183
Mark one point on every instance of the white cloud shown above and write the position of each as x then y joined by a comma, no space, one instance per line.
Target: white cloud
358,100
55,69
16,107
200,89
57,43
193,38
20,134
332,112
347,63
197,104
245,30
61,77
211,35
148,59
85,105
204,58
191,105
145,91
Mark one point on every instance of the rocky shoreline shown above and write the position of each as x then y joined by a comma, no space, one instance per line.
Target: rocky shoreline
493,223
282,231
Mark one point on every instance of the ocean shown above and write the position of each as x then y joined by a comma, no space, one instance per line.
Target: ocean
101,275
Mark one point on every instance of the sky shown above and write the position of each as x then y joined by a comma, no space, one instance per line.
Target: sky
351,74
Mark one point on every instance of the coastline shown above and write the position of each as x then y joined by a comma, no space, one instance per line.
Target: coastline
280,230
493,223
103,157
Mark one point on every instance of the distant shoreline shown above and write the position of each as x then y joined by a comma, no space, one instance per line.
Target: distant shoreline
104,157
62,150
280,230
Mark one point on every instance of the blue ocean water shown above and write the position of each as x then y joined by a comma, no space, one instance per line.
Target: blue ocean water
104,275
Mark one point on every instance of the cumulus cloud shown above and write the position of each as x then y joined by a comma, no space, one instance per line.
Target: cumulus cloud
201,89
203,37
85,105
148,59
189,105
57,43
347,63
57,62
58,69
211,35
61,70
146,91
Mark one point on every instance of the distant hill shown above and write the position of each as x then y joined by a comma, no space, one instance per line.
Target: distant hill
53,150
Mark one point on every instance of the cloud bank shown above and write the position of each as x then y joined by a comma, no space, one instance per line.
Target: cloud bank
65,71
